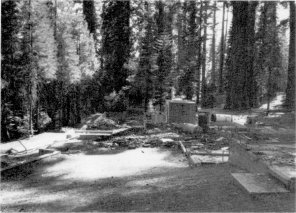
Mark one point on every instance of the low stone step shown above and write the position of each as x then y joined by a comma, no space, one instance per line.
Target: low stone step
208,159
285,174
256,184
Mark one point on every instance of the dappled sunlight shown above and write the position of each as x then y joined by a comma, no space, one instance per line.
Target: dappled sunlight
60,200
276,115
49,197
128,163
11,196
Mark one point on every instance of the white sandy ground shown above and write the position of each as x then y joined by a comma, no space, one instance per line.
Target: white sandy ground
92,167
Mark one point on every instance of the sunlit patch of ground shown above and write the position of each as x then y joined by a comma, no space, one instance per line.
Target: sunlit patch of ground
229,118
276,103
129,162
79,179
157,180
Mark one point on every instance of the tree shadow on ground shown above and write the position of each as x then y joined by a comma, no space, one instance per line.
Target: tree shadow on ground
23,171
163,189
159,188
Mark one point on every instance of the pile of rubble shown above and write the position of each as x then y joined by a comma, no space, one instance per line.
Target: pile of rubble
100,121
135,141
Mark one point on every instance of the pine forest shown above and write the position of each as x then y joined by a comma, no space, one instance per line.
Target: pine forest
63,60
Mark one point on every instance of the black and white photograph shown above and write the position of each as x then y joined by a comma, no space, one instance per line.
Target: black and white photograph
148,106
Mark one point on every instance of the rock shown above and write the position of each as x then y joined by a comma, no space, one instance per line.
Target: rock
122,142
146,145
190,128
225,148
165,140
105,144
155,142
197,146
258,123
103,149
132,146
108,144
133,123
115,144
219,139
99,121
169,144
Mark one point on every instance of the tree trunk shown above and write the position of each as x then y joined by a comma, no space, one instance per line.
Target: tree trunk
204,58
213,55
250,94
37,115
226,32
290,91
55,19
199,61
268,91
31,107
240,58
180,43
222,52
78,119
89,12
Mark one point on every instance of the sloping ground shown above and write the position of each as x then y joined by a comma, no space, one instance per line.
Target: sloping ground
156,180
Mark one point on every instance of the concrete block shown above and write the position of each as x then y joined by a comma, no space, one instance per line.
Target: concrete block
209,159
181,111
189,128
258,183
284,174
244,159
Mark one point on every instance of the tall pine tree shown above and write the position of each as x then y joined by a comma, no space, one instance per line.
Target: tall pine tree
290,91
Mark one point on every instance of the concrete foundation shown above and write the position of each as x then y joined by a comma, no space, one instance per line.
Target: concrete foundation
258,183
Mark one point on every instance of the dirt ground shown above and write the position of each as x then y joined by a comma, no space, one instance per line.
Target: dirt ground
143,179
89,177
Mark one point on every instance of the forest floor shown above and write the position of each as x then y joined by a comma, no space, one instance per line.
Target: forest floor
143,179
90,177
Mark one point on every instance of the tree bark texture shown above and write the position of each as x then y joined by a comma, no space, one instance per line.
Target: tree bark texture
240,77
222,52
213,73
199,60
290,91
204,58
